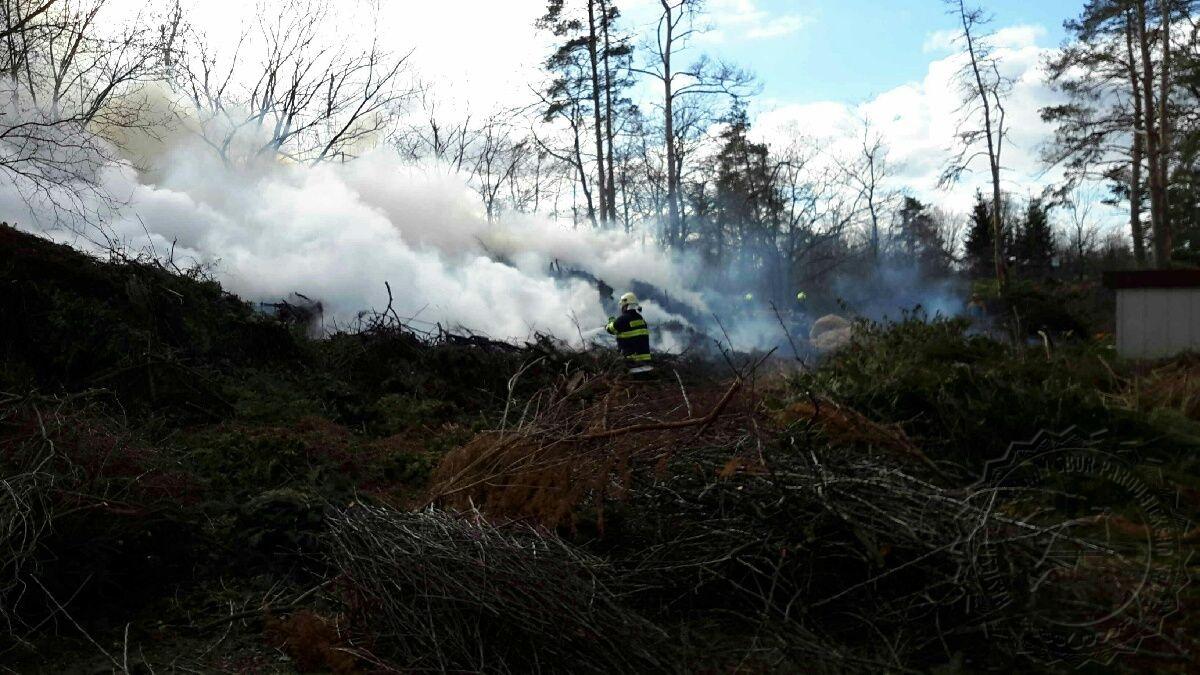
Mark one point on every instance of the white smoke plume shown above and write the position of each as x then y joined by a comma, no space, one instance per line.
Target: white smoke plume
337,232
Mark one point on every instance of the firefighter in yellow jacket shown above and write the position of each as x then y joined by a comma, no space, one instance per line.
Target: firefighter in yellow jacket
633,336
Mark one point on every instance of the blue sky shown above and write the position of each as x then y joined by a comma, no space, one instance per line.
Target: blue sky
851,50
826,65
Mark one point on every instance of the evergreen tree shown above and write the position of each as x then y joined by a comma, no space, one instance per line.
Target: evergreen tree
1101,125
746,205
1034,243
978,245
1185,178
920,240
591,70
1185,206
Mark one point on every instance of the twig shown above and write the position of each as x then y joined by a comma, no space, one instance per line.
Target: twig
75,623
665,426
125,651
578,328
683,391
1045,343
787,333
265,607
736,371
390,309
512,384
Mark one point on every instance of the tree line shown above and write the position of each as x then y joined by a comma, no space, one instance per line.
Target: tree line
643,132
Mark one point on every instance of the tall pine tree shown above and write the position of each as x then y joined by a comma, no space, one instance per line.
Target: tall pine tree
1034,246
920,240
746,206
1101,125
591,69
978,245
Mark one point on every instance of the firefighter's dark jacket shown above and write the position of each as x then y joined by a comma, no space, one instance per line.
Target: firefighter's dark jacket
633,337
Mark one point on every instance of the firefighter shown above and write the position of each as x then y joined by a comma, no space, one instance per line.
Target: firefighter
976,308
633,336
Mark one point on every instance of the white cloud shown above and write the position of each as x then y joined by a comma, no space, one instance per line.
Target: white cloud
779,27
1019,37
1015,37
918,120
746,20
940,41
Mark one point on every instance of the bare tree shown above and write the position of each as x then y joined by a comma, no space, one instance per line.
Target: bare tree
643,173
1083,231
982,129
950,227
867,173
73,91
497,161
496,154
290,89
676,28
21,15
533,172
817,217
437,134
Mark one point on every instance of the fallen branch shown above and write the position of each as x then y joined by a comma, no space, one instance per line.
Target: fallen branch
264,608
787,333
667,426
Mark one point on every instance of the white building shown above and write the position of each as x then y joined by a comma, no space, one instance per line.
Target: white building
1158,312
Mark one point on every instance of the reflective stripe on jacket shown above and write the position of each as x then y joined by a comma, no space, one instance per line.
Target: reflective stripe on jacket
633,336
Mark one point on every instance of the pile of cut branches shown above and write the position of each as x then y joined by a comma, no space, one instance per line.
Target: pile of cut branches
867,558
441,592
575,445
807,535
817,559
86,512
23,520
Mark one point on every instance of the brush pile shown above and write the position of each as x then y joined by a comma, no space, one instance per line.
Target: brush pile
574,446
188,484
754,528
458,594
879,567
86,513
22,523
